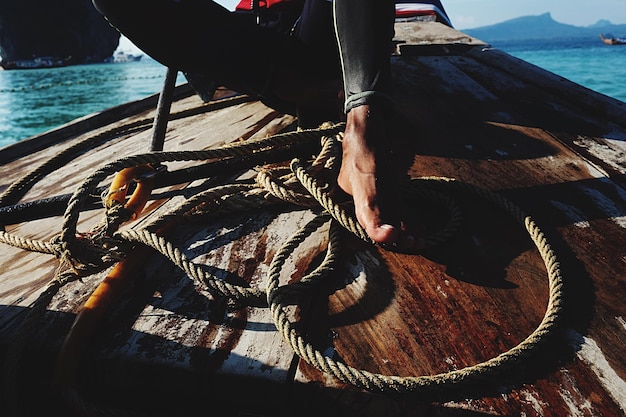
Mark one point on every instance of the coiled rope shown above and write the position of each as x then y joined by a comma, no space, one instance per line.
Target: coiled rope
420,384
87,256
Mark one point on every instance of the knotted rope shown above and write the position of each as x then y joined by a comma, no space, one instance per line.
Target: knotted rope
276,186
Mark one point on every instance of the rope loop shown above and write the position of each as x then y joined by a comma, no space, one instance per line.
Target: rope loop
422,384
345,216
305,185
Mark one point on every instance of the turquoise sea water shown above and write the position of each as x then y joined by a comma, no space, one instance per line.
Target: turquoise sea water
589,63
34,101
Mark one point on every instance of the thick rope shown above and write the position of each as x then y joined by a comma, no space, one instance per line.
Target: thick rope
67,246
20,187
425,384
271,189
345,373
347,219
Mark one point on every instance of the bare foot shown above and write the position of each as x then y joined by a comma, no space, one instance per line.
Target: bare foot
365,174
365,171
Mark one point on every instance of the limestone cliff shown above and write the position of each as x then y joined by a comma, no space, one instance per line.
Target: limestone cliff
67,29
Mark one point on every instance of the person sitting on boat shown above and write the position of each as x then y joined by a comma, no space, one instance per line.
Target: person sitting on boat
332,51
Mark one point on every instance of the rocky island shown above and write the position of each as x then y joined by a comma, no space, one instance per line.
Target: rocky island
62,32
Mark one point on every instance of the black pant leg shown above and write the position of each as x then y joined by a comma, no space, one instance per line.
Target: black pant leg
364,31
200,36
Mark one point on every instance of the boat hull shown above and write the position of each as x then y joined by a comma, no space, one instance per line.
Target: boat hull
534,143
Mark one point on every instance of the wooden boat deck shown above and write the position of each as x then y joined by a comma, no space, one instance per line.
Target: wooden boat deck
465,111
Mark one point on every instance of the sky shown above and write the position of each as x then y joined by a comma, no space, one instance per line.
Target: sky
468,14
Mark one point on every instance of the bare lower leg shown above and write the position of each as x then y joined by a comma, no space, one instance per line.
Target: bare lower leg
365,171
366,175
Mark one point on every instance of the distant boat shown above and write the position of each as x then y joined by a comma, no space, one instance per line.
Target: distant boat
36,62
121,57
611,40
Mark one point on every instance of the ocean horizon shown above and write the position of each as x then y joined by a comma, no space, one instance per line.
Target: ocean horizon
587,62
37,100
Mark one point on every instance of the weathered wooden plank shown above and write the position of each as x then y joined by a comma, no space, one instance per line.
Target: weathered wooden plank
544,183
409,34
210,131
488,152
